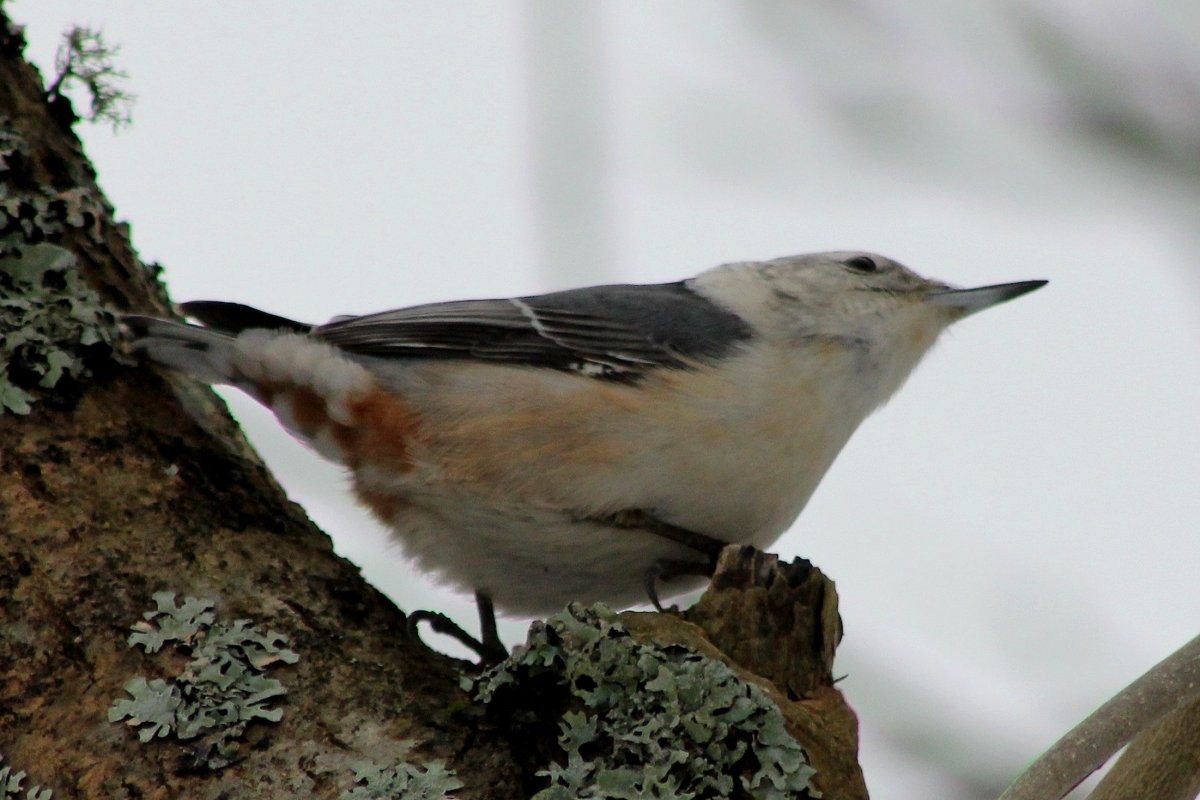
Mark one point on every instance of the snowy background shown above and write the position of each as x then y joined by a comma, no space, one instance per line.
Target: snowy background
1016,536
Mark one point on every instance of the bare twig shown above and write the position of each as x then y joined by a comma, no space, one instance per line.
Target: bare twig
1168,685
1163,762
84,57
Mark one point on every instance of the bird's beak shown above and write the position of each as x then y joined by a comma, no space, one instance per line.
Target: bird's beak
968,301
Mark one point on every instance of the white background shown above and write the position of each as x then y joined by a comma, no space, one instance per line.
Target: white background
1015,536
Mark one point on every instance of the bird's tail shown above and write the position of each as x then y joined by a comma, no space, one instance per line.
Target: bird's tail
319,394
206,353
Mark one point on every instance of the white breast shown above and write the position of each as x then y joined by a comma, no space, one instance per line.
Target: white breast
734,452
510,462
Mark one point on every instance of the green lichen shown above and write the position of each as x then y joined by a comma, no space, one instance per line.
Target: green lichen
220,692
55,329
402,781
14,150
12,786
170,623
645,721
32,212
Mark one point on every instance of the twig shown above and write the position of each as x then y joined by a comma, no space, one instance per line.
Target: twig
1169,684
1163,762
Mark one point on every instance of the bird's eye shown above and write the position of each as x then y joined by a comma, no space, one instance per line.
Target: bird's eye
861,264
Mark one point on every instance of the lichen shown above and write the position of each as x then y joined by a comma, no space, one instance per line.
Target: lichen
221,691
54,326
31,211
14,150
403,780
12,786
644,720
56,331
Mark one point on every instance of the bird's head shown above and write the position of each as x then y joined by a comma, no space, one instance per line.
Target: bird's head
876,309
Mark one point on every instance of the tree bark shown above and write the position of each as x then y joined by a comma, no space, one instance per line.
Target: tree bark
134,483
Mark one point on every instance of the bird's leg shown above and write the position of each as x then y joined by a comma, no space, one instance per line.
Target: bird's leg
490,650
666,569
637,518
493,649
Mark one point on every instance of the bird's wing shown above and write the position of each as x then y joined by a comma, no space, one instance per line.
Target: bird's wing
233,318
614,332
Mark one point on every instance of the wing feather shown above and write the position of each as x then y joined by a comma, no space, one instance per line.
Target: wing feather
616,332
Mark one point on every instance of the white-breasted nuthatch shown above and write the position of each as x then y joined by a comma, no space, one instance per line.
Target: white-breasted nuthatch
565,446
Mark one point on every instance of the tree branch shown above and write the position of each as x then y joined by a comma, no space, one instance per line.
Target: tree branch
172,626
1168,685
1163,762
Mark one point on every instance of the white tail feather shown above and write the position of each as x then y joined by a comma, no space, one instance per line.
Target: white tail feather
203,353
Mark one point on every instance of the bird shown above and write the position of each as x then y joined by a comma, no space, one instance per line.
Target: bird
588,444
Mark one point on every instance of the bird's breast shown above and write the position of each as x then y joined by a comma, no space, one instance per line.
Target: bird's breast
733,450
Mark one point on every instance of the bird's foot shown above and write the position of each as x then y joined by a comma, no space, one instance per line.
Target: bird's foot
666,569
489,648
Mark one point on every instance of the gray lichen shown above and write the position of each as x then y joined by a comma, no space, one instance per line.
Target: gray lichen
644,720
54,326
13,147
32,212
12,786
220,692
428,781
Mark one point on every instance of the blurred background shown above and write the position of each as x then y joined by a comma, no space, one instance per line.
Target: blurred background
1015,537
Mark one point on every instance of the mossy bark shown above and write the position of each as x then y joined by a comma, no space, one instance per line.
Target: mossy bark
137,483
